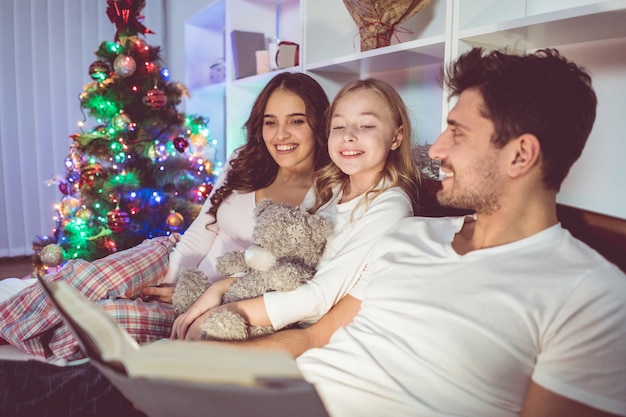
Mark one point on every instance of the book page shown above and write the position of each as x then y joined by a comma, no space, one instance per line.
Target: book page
211,363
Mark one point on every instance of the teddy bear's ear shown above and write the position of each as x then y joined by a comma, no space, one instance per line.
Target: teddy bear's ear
262,205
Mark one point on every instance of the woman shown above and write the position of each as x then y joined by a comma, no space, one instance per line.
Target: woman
286,142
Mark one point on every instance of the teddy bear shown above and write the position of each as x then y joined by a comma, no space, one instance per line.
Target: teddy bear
287,244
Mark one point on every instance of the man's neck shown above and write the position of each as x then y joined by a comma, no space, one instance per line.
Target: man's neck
504,226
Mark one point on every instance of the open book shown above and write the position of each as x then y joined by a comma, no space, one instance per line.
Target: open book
176,378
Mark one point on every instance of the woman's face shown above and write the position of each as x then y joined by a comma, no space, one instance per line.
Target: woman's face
286,131
362,133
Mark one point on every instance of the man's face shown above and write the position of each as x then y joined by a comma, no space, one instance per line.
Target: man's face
473,178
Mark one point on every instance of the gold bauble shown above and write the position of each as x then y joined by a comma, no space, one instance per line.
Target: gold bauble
174,220
51,255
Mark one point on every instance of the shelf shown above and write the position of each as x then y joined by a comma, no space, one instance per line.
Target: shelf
600,21
391,58
591,33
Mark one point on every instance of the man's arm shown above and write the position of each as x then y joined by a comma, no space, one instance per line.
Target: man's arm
296,341
541,402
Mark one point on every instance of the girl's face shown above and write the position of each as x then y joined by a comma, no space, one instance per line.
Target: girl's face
286,131
362,133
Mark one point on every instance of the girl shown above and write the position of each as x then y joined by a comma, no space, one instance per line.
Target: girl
286,142
369,185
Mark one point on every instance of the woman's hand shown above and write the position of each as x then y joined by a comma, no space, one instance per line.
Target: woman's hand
160,293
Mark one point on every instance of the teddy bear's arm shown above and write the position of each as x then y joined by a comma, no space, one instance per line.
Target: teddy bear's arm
288,276
231,263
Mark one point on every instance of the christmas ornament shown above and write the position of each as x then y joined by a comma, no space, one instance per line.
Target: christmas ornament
89,173
99,70
124,65
84,214
149,67
117,220
140,48
121,121
51,255
199,140
180,144
155,99
69,206
204,190
65,188
174,220
126,15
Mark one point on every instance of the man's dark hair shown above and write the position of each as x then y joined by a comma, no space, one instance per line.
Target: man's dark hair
540,93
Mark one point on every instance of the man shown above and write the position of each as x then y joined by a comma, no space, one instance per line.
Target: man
502,313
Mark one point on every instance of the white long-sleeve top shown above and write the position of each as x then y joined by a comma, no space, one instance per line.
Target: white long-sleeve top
200,245
355,232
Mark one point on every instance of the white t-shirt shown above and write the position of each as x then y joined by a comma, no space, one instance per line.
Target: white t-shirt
355,232
443,334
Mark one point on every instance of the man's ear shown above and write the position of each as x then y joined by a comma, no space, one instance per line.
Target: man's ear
397,139
525,153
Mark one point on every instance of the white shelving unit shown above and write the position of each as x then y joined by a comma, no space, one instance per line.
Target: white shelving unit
592,33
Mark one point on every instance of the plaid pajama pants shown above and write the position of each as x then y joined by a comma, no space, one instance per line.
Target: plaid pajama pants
29,321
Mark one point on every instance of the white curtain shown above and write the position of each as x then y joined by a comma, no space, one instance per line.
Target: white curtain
46,47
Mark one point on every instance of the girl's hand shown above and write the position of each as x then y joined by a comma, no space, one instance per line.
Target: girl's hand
212,297
193,332
183,323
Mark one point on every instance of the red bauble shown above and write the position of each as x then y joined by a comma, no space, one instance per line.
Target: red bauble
140,48
65,188
204,190
89,173
180,144
99,70
117,220
155,99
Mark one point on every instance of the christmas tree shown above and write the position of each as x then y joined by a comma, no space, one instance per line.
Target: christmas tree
144,169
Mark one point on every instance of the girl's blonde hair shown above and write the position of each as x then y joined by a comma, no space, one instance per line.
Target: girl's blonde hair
399,169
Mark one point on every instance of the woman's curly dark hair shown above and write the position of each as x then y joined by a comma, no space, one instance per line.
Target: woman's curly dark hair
254,168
